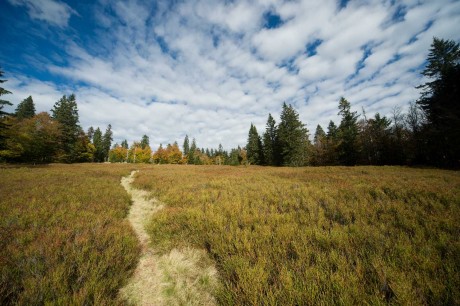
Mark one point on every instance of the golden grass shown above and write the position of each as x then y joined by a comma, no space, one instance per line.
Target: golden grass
64,236
309,236
180,277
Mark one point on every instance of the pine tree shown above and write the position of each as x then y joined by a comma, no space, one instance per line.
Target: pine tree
3,103
254,147
107,142
191,153
25,109
347,134
186,145
145,142
332,143
98,145
65,112
90,133
124,144
440,100
292,138
320,144
269,142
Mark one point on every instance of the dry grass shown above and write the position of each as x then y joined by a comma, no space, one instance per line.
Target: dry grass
180,277
308,236
278,236
64,236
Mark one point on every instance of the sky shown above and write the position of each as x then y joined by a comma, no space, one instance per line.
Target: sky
211,68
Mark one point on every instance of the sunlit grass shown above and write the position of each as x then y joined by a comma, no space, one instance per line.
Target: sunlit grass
330,235
64,236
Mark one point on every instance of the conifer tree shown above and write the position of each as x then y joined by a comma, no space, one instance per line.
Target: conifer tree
269,142
98,145
107,142
3,103
124,144
440,100
186,145
331,145
66,113
254,147
320,145
145,142
25,109
347,134
191,153
292,138
90,133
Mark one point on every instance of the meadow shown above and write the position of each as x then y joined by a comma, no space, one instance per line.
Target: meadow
277,236
315,236
64,236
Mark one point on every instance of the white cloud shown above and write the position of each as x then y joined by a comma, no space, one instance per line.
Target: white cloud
209,68
54,12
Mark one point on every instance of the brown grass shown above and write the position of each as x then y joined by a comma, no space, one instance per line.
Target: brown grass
309,236
180,277
64,236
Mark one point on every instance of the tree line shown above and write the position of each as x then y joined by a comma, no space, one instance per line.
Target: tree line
427,134
44,138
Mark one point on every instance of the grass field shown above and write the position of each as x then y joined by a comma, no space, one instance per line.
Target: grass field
64,237
278,236
311,236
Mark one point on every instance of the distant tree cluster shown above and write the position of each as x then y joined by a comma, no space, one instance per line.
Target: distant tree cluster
428,134
43,138
140,152
285,144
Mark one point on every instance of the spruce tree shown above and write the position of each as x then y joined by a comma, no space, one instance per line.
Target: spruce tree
186,145
269,142
107,142
145,142
98,145
254,147
191,153
3,103
331,144
292,138
440,100
320,144
347,134
65,112
90,133
25,109
124,144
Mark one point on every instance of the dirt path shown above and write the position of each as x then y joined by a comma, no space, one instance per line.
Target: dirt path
177,278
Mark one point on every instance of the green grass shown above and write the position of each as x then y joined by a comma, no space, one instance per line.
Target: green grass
64,236
309,236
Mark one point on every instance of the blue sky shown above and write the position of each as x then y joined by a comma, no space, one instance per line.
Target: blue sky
210,68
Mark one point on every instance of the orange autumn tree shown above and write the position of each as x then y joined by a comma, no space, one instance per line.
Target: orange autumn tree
171,155
118,154
139,153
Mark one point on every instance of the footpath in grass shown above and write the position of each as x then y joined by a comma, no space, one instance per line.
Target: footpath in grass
179,277
65,239
315,236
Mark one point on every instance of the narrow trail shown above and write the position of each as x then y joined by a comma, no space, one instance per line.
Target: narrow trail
176,278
